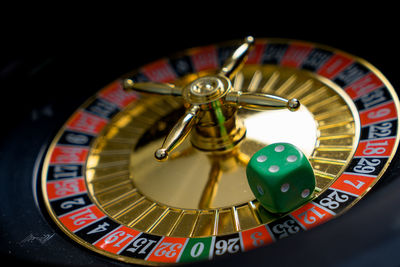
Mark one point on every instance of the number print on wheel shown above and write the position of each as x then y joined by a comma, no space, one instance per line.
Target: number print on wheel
225,245
95,179
335,200
284,227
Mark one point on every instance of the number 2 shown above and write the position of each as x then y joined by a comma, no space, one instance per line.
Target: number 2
333,200
222,246
379,131
366,165
167,249
70,203
83,217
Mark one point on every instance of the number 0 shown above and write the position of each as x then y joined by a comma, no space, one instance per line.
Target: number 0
197,249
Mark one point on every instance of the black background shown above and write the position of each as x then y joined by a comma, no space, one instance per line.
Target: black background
54,58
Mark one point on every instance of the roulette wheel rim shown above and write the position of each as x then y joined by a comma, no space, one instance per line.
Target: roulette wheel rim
313,230
325,201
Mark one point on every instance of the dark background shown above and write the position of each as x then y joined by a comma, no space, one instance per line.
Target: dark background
75,52
77,46
51,61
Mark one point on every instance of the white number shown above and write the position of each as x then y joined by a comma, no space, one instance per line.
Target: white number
66,187
380,131
257,241
366,165
378,114
309,219
115,236
333,199
371,149
76,201
197,249
358,186
167,249
69,154
100,228
327,202
139,243
232,246
286,228
87,215
223,246
61,171
373,98
76,138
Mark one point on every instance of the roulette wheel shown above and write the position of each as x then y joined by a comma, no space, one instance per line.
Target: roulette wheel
81,185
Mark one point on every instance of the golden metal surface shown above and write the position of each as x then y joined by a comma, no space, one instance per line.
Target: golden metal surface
260,101
153,87
178,133
211,106
233,64
198,194
125,182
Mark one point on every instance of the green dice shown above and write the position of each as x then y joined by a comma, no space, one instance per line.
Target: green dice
280,177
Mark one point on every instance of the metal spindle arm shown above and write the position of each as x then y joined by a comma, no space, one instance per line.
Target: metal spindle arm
202,92
235,62
153,87
259,101
178,133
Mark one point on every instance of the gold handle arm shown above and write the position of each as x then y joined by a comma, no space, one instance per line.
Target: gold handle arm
235,62
153,87
178,133
259,101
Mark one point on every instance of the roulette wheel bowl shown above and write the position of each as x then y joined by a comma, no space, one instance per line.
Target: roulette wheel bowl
29,240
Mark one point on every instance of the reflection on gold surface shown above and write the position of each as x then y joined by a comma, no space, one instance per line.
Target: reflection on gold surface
198,194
